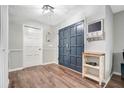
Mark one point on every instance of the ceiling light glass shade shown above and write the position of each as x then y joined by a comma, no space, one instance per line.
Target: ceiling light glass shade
47,9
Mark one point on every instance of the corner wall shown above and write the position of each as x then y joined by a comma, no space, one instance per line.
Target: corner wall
49,48
118,41
108,24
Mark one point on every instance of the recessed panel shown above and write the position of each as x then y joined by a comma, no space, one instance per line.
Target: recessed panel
61,42
61,59
65,33
79,61
73,50
79,51
73,60
73,41
66,60
73,31
61,34
79,41
79,30
61,51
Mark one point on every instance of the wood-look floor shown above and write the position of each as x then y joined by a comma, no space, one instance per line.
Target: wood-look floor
115,82
49,76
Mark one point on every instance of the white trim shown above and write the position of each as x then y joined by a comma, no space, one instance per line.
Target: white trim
11,50
107,81
4,47
29,26
8,81
50,62
23,45
117,73
16,69
20,68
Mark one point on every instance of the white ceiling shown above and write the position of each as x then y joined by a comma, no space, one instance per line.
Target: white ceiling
25,13
63,12
117,8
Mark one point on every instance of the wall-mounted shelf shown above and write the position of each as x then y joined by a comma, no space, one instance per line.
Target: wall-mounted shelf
93,66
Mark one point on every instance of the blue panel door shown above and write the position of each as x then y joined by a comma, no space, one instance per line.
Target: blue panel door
71,46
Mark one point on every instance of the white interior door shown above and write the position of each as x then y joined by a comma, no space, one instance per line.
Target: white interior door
33,38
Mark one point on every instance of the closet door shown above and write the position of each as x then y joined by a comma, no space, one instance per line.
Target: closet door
64,47
79,45
32,53
71,46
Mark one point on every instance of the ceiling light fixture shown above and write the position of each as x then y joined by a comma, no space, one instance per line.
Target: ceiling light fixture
47,9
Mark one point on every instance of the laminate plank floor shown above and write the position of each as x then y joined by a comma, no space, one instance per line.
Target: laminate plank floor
49,76
115,82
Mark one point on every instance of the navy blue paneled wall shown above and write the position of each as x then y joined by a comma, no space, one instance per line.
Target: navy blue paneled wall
71,46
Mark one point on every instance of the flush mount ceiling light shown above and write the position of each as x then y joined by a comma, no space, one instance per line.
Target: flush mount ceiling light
47,9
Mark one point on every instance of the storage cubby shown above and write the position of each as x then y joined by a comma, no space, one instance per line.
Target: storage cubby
93,66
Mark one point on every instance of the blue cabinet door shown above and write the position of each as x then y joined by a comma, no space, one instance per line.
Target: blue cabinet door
71,46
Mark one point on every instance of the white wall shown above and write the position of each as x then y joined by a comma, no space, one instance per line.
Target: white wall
16,43
119,31
108,40
49,48
15,36
118,40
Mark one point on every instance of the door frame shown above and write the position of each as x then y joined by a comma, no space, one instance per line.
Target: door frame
32,26
4,80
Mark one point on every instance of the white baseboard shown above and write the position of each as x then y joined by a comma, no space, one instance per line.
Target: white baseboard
20,68
15,69
106,82
8,82
117,73
71,69
50,62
